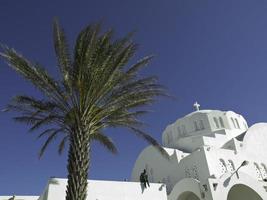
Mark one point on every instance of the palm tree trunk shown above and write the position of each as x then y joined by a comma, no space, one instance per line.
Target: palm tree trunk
78,164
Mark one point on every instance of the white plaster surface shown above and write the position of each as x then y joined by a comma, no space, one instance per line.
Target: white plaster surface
206,158
19,197
107,190
206,149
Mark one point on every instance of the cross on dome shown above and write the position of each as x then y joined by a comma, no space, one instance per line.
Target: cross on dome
196,106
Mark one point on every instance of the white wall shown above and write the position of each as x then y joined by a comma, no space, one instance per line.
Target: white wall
165,171
255,141
19,197
109,190
179,167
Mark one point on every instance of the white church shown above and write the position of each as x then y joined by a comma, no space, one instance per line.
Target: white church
214,155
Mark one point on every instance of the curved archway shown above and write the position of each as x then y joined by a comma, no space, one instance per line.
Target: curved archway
242,192
188,196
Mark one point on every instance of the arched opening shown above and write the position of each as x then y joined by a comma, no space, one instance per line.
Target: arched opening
242,192
188,196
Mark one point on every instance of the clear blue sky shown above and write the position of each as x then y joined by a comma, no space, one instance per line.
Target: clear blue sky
211,51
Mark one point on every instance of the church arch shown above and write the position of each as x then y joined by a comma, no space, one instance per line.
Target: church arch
188,196
242,192
181,191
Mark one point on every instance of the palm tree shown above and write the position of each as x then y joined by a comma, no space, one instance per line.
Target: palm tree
97,89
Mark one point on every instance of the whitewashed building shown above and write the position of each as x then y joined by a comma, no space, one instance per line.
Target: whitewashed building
214,155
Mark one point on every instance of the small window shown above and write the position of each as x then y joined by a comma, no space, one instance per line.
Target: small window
184,130
179,131
201,125
245,125
170,137
237,123
167,139
233,121
221,122
216,122
196,126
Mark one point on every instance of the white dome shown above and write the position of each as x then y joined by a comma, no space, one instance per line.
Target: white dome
187,133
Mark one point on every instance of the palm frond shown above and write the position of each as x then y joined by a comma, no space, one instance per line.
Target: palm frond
62,53
150,140
48,141
29,120
84,47
48,132
96,90
36,74
34,104
50,119
105,141
134,69
62,144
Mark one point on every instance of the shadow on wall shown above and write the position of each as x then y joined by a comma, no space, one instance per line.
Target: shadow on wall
161,187
242,192
188,196
142,185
